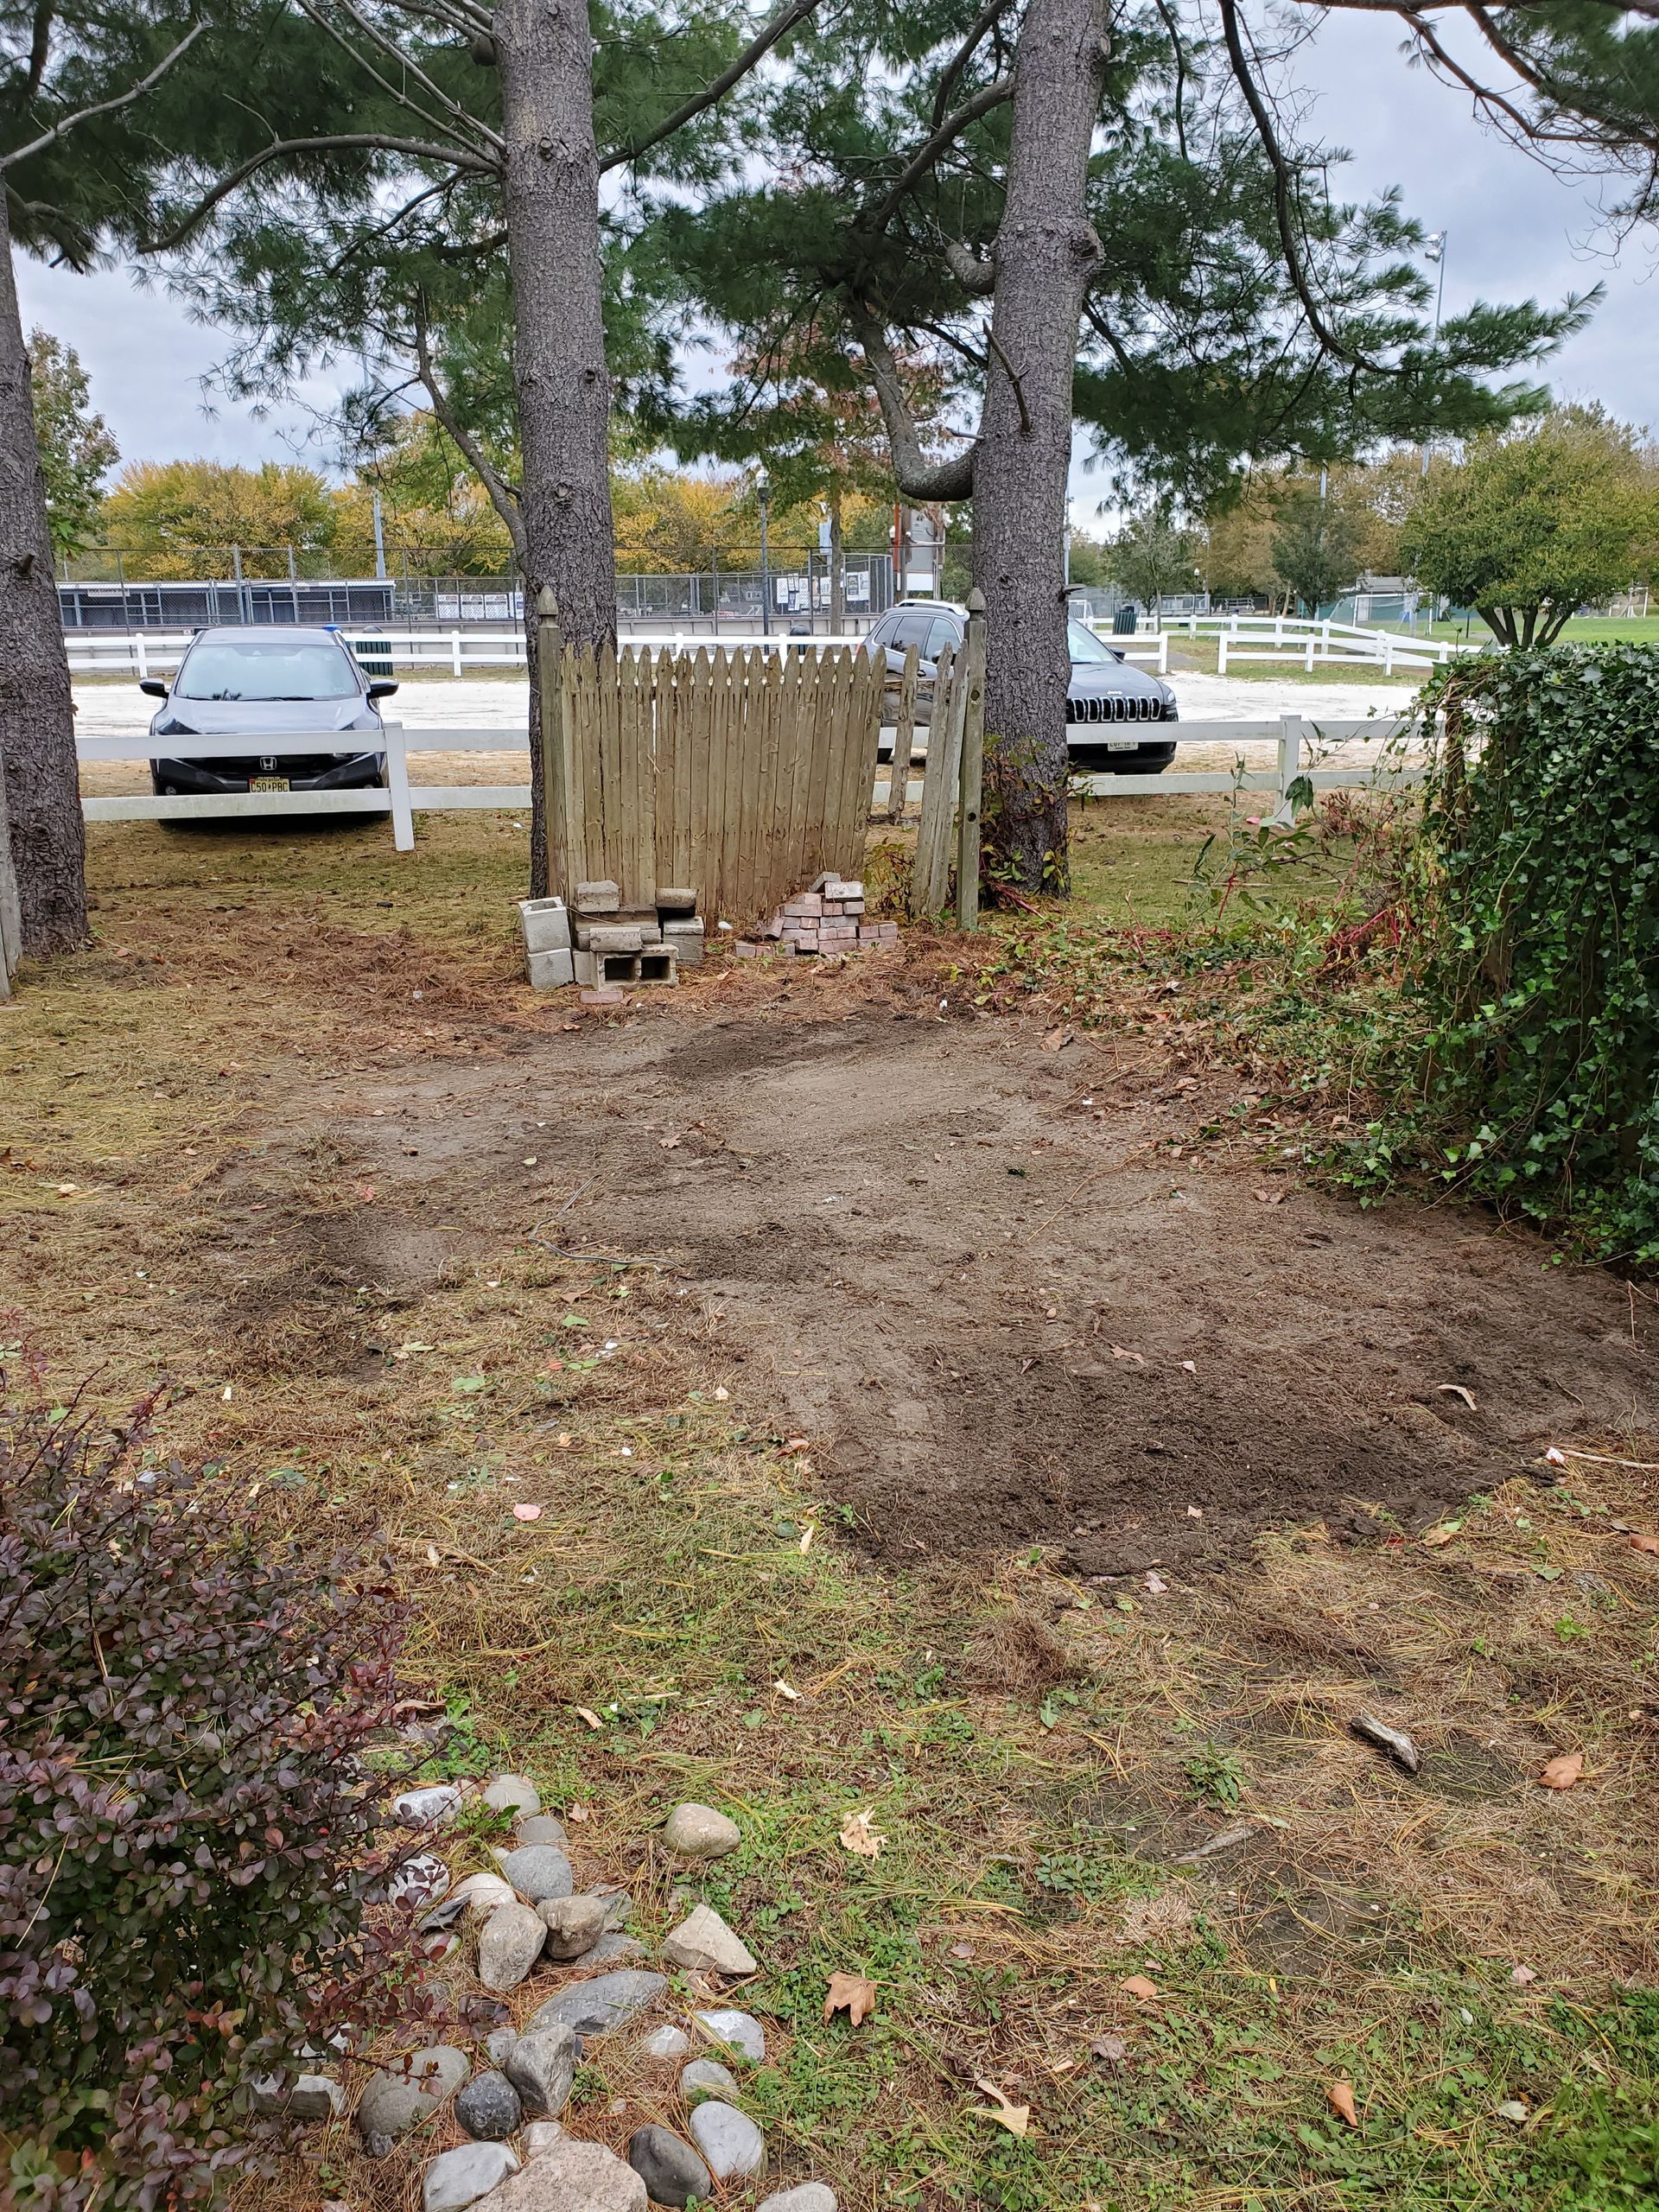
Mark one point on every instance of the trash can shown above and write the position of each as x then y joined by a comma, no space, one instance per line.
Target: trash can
1124,621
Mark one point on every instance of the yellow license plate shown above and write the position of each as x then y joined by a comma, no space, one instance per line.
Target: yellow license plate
268,784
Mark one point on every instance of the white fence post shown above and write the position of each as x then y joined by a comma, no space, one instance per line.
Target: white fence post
1221,654
1163,652
140,655
1387,652
1290,762
1308,661
403,816
454,651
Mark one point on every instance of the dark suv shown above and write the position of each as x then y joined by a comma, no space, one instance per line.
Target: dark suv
1108,704
289,682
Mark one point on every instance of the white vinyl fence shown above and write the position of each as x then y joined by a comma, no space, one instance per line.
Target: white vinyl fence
1316,644
1300,745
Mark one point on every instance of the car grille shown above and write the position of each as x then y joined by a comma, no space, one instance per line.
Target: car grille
1113,707
296,766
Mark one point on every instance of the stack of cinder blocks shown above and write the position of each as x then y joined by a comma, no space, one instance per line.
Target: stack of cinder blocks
598,944
830,918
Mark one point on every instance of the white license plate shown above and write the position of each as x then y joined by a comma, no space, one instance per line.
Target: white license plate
1123,745
268,784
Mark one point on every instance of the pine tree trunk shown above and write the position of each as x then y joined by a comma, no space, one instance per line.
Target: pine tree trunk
837,567
545,53
1045,251
37,713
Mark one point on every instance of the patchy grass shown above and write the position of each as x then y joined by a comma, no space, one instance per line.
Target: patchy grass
1044,1757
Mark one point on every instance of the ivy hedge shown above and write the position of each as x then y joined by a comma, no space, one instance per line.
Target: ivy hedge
1535,900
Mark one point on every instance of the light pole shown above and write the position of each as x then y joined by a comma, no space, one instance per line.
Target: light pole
763,489
1435,250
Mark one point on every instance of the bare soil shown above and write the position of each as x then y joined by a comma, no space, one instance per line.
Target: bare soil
976,1273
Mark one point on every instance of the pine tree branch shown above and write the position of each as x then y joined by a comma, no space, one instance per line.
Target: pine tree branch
970,272
917,477
342,142
990,14
503,497
990,95
456,113
105,107
793,12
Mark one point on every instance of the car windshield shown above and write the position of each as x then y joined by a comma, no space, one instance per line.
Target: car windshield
1084,645
255,669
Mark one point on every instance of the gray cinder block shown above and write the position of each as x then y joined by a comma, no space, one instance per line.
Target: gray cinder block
546,925
552,970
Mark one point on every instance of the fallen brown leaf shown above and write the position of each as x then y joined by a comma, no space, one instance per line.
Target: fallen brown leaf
858,1837
853,1994
1339,2095
1563,1770
1138,1986
1016,2118
1118,1352
1457,1390
1268,1198
1442,1534
1645,1544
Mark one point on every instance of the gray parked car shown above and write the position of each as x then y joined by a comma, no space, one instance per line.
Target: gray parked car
1109,704
244,681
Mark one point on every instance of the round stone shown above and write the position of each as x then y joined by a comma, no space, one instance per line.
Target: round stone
741,2029
408,2091
574,1925
729,2141
538,1870
540,1827
805,2196
542,2066
707,2078
671,2171
509,1944
666,2043
488,2108
427,1808
419,1881
699,1832
457,2178
514,1793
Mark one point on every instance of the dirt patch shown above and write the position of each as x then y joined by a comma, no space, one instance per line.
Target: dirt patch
1007,1313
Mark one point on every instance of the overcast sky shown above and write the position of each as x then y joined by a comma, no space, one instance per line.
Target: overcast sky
1515,232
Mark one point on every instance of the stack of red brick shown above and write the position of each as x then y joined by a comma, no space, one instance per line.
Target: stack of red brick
830,918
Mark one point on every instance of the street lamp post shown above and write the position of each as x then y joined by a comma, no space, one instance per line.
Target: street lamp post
764,491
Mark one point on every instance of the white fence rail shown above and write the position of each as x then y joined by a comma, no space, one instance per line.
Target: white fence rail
1300,744
1316,643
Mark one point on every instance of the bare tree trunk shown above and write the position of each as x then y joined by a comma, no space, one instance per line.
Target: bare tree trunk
545,52
837,567
1045,251
37,713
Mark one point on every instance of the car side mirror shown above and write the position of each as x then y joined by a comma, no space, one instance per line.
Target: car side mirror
381,690
152,687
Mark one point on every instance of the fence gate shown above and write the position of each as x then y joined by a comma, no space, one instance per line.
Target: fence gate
740,773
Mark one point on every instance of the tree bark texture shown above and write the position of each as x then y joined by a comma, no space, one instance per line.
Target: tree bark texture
37,713
1046,251
551,194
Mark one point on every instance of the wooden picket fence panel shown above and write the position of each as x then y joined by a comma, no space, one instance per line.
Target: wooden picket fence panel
740,773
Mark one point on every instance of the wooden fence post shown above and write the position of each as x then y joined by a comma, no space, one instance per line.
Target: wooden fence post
929,877
904,736
549,685
972,764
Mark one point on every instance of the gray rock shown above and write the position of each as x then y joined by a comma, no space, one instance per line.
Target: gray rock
571,2177
707,2075
509,1944
481,1893
805,2196
671,2171
608,2001
704,1942
615,1945
741,2029
457,2178
619,1906
540,1827
316,2097
302,2096
411,2090
419,1881
699,1832
542,2065
541,2135
574,1925
538,1871
429,1808
488,2108
666,2043
729,2141
514,1793
499,2043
